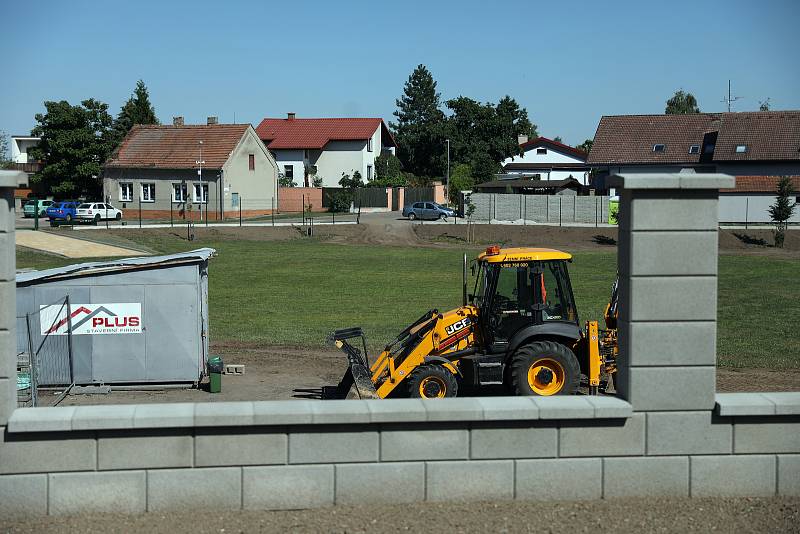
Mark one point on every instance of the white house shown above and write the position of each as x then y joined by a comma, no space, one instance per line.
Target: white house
545,159
325,147
20,144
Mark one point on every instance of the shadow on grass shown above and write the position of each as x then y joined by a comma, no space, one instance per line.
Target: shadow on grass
750,240
604,240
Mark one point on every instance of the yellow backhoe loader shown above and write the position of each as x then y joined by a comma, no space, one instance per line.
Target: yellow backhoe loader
519,329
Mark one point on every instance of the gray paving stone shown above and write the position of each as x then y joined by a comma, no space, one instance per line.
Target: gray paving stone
44,419
481,480
728,404
180,414
424,444
218,447
559,480
23,496
385,483
666,476
762,434
732,476
111,492
654,253
332,446
789,474
609,407
103,417
213,488
223,413
564,407
613,437
513,441
334,412
508,408
673,298
144,449
454,409
670,343
287,487
47,452
295,412
786,402
668,388
396,410
701,432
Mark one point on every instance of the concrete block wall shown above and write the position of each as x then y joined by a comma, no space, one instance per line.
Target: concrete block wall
550,209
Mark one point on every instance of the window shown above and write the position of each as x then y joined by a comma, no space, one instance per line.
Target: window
369,173
369,145
288,171
694,149
709,148
200,193
541,151
659,147
179,193
125,192
148,192
252,161
741,149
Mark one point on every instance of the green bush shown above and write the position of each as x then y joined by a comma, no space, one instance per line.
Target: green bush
340,201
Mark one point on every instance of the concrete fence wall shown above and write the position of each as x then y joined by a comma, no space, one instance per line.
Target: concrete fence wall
553,209
666,434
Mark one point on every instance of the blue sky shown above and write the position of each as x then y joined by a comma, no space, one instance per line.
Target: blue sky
568,63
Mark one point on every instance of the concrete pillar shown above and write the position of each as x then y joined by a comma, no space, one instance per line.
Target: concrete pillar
9,180
668,289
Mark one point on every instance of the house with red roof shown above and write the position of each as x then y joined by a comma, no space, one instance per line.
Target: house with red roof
545,159
191,171
325,148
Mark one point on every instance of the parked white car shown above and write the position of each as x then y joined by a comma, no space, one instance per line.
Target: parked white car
97,211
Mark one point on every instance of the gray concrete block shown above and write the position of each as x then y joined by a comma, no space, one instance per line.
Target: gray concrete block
223,413
213,488
387,483
296,412
8,346
45,419
332,446
786,402
633,181
23,496
609,407
669,343
728,404
673,298
667,388
334,412
47,452
564,407
454,409
103,417
613,437
7,312
513,441
221,447
287,487
760,434
424,444
508,408
180,414
482,480
559,480
700,432
7,257
732,476
672,210
112,492
674,253
8,399
396,410
144,449
789,474
666,476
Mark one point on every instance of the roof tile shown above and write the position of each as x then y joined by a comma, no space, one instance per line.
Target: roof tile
315,133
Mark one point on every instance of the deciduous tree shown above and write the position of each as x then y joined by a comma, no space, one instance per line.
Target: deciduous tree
681,103
586,146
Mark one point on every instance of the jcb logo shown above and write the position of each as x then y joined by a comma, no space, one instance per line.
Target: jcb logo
457,326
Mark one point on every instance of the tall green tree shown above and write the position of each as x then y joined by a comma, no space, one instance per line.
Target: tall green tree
5,159
419,129
76,141
782,210
137,110
763,105
586,146
681,103
388,171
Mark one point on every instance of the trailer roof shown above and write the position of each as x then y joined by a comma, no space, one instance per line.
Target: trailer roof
115,266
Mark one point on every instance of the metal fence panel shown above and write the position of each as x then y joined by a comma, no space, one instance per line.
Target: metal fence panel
418,194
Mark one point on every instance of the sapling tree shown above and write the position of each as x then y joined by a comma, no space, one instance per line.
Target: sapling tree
782,210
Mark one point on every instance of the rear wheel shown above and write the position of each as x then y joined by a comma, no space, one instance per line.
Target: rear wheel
545,368
119,216
432,382
97,218
68,218
412,216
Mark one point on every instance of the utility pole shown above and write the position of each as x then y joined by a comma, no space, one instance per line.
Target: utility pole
447,176
200,173
730,99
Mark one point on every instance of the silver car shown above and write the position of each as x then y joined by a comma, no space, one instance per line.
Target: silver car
427,210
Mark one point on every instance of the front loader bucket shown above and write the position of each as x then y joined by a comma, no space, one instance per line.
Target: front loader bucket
357,373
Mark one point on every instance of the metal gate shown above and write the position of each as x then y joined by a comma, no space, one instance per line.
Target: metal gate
48,341
371,197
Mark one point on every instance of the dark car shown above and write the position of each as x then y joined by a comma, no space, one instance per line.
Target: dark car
62,211
427,210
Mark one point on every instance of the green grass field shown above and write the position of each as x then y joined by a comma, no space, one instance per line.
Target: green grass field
296,292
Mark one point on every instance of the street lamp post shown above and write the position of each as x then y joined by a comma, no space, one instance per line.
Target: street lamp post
447,177
200,173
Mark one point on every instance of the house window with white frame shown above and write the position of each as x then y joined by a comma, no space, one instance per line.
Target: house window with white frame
369,145
369,173
148,192
179,193
125,192
200,193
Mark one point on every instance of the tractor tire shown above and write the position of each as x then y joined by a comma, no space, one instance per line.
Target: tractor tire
412,216
432,382
545,368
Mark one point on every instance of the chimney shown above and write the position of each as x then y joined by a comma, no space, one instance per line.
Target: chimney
522,139
290,116
177,121
212,120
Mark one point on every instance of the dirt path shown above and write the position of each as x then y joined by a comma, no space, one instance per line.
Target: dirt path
70,247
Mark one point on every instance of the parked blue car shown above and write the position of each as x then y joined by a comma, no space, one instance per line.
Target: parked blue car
427,210
62,211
